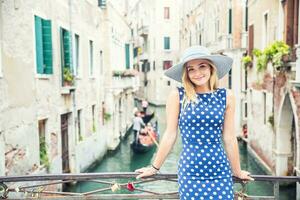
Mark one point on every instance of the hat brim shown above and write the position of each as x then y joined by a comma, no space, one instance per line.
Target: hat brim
222,63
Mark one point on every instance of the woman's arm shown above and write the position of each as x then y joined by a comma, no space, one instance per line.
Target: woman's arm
169,137
230,141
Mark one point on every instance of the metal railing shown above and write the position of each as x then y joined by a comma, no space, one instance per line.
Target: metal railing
111,186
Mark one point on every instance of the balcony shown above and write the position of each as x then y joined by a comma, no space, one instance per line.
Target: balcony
225,42
122,80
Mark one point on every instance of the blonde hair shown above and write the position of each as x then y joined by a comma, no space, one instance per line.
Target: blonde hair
189,87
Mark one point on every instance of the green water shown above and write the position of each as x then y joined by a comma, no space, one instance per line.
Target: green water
124,160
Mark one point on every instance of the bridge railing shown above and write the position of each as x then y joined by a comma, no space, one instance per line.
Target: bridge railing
111,186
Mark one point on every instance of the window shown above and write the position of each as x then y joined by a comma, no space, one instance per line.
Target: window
66,52
66,57
265,30
166,42
101,62
245,110
291,25
200,39
246,79
0,54
43,45
251,40
0,50
166,13
79,125
76,57
265,107
135,52
91,59
42,140
167,64
230,21
102,3
127,55
93,118
153,65
246,16
230,79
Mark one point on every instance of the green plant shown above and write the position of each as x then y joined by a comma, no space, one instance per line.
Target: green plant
94,127
67,75
274,53
246,60
271,120
44,160
107,116
125,73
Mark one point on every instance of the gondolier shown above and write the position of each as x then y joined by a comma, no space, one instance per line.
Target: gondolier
137,124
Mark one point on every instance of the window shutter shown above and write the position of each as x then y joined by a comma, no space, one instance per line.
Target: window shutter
47,46
127,56
39,45
250,40
167,43
67,49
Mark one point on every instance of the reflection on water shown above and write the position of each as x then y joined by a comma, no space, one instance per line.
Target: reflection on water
124,160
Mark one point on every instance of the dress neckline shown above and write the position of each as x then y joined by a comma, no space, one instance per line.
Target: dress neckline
199,93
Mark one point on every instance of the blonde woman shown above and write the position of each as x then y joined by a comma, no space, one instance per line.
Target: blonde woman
204,114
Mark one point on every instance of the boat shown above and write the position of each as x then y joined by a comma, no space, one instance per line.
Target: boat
147,117
139,147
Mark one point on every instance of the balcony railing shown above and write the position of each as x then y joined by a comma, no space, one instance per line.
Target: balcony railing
111,186
124,82
225,42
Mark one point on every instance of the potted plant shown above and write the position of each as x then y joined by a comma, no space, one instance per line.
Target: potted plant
107,116
68,77
277,53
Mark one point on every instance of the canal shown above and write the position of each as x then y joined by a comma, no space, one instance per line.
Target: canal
124,160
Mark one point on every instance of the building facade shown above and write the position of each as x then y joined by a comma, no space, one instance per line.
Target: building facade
59,98
155,28
273,117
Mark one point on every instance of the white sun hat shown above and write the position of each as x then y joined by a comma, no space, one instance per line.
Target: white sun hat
223,63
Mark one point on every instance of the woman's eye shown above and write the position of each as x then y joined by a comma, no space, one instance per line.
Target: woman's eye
190,69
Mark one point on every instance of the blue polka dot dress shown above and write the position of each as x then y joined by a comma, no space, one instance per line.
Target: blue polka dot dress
204,171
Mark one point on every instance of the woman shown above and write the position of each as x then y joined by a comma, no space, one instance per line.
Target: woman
204,114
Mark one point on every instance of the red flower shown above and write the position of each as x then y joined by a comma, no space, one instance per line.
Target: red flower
130,187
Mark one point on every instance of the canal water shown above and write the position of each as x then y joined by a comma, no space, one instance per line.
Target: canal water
124,160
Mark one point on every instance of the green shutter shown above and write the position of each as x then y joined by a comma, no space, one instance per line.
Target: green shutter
39,45
66,48
47,46
166,42
127,54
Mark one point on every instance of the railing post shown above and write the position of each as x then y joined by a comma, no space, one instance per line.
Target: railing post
276,190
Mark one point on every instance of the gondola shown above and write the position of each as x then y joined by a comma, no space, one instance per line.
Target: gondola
137,147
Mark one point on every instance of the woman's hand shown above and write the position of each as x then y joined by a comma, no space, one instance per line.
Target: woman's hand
145,172
244,175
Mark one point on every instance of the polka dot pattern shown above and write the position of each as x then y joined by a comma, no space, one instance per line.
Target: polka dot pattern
203,169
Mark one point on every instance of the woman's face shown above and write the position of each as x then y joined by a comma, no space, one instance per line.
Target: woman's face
198,71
